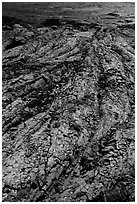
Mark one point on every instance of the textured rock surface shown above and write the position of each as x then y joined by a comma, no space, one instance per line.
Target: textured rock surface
68,113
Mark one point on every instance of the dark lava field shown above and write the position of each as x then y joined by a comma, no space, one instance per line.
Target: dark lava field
68,103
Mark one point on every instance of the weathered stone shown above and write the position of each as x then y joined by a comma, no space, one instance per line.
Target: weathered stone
68,114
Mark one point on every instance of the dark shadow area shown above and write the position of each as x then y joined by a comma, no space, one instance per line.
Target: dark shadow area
14,43
51,22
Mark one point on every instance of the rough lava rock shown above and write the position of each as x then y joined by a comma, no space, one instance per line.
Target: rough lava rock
68,113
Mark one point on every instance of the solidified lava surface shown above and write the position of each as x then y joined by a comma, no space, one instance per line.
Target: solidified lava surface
68,111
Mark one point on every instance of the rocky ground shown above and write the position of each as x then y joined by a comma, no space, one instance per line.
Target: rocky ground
68,111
